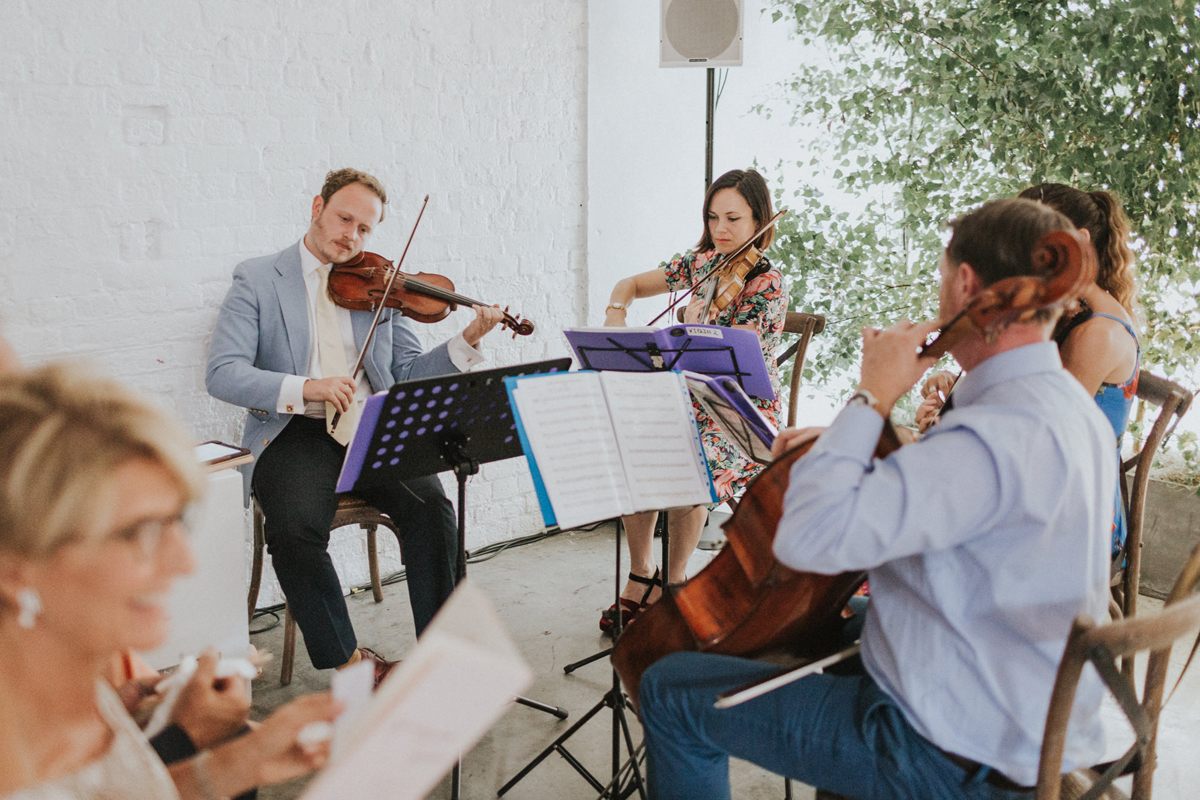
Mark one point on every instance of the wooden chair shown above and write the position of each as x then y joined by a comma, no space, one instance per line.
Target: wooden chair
807,325
1173,402
350,511
1102,645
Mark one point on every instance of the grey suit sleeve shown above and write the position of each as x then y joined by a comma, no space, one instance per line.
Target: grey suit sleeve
232,375
408,360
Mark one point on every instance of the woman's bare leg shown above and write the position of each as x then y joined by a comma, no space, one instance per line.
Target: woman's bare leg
686,525
639,535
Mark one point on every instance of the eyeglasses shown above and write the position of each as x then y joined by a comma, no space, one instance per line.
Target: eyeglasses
146,534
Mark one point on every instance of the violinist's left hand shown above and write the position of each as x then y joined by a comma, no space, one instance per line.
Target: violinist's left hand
486,318
890,364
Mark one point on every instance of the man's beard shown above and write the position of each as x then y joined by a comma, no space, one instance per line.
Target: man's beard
330,253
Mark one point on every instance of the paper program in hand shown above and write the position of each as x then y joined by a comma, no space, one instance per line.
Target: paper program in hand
434,706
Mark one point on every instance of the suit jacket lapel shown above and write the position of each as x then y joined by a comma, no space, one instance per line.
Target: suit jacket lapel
293,304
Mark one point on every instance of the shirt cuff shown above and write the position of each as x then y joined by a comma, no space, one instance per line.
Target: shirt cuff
291,395
853,434
463,356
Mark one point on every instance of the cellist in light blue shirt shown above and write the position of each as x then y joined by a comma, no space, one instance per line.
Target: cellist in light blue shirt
983,541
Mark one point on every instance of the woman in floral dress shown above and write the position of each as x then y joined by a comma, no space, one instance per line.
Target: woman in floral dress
735,206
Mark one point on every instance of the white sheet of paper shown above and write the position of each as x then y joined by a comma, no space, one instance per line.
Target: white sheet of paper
572,438
352,686
656,429
435,705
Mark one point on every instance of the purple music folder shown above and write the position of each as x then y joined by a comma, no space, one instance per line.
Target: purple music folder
707,349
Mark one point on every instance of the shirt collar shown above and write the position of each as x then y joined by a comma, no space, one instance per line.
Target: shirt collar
1009,365
308,262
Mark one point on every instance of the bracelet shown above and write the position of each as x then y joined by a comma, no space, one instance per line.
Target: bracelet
203,779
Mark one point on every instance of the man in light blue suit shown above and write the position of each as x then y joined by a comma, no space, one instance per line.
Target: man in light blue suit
283,350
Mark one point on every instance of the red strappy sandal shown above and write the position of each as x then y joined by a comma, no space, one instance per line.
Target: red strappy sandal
630,608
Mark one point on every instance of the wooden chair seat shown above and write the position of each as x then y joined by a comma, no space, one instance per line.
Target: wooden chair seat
351,510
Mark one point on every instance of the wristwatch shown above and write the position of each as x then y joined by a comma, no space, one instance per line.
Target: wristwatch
863,398
617,306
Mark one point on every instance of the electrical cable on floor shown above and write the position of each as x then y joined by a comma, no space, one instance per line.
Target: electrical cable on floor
477,556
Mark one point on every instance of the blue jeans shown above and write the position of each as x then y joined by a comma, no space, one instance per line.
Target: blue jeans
839,733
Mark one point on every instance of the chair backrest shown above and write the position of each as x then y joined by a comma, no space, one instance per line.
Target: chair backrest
1101,646
806,325
1173,402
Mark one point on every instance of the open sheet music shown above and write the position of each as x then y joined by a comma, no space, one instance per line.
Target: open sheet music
605,444
433,706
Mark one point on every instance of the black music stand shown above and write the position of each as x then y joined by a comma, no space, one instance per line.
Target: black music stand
602,353
452,422
616,699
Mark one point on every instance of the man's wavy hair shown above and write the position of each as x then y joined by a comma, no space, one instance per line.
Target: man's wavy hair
341,178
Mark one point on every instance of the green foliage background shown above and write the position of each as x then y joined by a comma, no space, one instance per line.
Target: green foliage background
930,108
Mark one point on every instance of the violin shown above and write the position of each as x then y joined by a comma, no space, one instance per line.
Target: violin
361,283
725,281
744,602
369,282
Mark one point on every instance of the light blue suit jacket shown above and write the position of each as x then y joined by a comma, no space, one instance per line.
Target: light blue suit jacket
262,336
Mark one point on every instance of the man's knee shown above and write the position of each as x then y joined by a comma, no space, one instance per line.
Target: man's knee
663,682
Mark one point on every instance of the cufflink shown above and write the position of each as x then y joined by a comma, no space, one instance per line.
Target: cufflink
290,410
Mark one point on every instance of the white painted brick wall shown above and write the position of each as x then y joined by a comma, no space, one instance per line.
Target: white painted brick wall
150,145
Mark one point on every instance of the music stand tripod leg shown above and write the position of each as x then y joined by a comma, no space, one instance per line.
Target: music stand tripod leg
464,467
615,699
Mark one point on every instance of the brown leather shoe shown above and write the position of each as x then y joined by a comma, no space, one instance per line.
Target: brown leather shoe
382,665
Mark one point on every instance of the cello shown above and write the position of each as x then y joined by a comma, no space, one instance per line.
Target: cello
745,602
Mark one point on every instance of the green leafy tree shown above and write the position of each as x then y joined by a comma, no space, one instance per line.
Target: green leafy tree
930,108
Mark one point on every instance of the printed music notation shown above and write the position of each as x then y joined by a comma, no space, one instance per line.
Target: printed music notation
612,443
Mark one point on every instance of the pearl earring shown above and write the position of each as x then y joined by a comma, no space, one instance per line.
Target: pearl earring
30,606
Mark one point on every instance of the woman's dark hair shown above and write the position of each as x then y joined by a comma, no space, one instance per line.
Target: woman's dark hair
1100,213
753,189
997,239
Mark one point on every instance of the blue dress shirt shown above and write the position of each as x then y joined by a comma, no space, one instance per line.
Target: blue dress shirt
983,542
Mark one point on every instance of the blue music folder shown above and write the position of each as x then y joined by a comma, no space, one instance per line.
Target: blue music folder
712,350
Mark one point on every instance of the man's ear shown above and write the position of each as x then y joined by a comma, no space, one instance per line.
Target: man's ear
318,204
968,281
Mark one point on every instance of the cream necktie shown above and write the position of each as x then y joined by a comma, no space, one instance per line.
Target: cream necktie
332,354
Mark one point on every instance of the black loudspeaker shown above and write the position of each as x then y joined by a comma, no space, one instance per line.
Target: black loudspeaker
700,33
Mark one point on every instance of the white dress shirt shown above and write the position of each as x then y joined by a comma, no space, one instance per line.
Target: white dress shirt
291,393
983,541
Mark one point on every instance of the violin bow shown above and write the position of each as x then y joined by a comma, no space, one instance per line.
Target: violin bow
721,261
362,354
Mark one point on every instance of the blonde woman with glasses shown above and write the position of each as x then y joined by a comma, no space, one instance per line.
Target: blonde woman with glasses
93,488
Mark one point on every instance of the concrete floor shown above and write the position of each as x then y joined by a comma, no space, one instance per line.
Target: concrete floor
549,595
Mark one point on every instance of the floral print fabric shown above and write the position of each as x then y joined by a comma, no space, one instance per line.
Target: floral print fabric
763,304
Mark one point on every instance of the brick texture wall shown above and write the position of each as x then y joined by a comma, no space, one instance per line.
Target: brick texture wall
150,145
